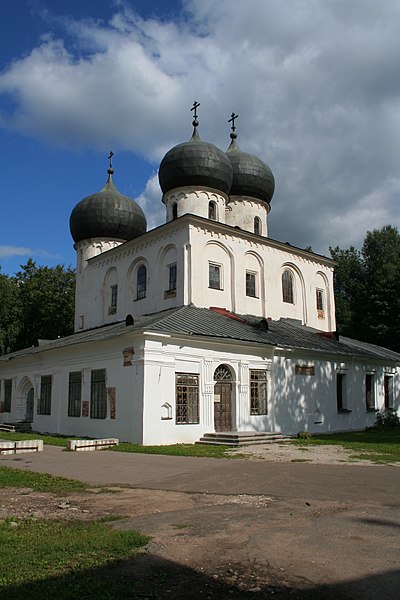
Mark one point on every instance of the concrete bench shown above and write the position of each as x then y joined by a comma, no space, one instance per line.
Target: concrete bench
87,445
21,446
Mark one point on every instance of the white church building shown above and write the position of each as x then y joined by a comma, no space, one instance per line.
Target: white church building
201,325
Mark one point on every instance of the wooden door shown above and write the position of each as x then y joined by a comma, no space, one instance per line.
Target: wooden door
223,406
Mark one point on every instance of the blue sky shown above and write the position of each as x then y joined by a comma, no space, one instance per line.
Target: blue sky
315,84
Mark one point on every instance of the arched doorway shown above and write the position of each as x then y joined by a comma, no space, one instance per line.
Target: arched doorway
29,406
223,399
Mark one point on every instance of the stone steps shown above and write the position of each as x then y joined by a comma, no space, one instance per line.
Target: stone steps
242,438
22,427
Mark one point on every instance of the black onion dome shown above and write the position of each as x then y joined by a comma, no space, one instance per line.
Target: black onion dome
108,215
251,176
195,163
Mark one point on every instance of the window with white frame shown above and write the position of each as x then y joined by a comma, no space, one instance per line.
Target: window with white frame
320,301
370,392
215,276
141,282
187,398
258,392
172,277
251,284
287,287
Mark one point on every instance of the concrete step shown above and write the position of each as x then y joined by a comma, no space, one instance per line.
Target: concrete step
20,427
242,438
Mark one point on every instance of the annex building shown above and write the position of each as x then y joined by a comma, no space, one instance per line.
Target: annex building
201,325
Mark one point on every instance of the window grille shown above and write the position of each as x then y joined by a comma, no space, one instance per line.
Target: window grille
98,394
7,395
141,282
287,287
187,398
214,277
258,392
44,404
222,373
75,394
250,284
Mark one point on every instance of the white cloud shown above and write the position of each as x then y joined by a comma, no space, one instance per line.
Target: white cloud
8,251
315,85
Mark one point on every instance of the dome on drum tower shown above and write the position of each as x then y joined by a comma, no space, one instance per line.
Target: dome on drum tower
195,164
251,176
107,215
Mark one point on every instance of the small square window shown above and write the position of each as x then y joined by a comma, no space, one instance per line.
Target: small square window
214,276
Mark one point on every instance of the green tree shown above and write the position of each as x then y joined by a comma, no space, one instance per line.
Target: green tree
10,313
367,288
46,296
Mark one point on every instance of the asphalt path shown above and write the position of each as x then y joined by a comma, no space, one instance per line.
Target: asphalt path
217,476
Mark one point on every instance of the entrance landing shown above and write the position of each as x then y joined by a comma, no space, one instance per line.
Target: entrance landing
242,438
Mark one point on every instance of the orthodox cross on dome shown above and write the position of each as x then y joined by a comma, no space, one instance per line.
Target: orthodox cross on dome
195,117
232,120
110,169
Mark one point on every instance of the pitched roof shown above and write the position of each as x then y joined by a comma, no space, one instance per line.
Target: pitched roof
222,325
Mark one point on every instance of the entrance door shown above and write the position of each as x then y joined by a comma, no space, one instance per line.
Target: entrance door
29,406
223,399
223,406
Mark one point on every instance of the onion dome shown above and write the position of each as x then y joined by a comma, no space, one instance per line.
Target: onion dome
251,176
195,163
107,215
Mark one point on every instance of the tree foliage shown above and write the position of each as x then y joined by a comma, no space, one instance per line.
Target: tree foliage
367,288
36,303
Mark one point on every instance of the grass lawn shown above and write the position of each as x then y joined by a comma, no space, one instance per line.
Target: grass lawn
172,450
51,559
40,482
378,446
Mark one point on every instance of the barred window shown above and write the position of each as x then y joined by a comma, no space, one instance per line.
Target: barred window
187,398
251,284
44,404
7,395
141,282
98,394
75,394
258,392
369,392
214,276
287,287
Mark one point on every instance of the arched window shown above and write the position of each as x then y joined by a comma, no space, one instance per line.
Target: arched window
287,287
257,225
141,282
222,373
212,211
174,211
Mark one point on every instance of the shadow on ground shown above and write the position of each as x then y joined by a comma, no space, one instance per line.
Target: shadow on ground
153,578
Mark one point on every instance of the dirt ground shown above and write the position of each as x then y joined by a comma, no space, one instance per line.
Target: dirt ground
239,546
